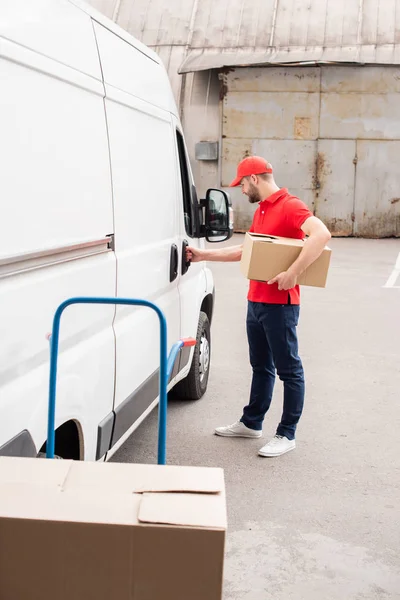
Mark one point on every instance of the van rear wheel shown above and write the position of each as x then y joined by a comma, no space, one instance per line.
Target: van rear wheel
194,386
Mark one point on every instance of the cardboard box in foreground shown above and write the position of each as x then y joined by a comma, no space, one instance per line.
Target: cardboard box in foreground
109,531
265,256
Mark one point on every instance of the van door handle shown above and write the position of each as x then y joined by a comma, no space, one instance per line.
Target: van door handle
185,263
173,263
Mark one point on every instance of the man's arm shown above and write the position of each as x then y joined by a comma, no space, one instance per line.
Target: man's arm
230,254
318,238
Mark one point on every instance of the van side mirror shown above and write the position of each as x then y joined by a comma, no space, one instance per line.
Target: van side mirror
218,221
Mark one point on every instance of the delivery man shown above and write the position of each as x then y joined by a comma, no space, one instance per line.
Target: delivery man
273,306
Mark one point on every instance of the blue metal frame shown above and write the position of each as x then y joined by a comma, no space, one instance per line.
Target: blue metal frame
166,366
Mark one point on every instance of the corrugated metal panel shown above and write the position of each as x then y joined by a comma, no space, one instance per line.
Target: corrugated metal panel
251,32
360,103
231,23
106,7
276,115
214,58
373,80
294,117
276,80
334,193
241,33
172,57
363,116
281,105
377,195
386,24
154,22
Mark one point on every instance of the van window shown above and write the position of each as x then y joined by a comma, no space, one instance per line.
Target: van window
186,187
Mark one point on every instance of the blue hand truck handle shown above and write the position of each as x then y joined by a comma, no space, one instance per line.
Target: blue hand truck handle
166,366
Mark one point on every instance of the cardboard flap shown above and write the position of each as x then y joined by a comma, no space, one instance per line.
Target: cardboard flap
193,510
43,504
275,239
128,478
264,237
201,480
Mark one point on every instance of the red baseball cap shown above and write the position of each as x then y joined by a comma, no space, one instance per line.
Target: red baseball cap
252,165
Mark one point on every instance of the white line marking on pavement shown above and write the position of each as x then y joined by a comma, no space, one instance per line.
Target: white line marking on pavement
394,275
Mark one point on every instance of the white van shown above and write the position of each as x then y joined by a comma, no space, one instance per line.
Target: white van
96,199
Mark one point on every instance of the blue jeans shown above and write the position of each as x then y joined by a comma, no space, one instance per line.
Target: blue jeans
272,336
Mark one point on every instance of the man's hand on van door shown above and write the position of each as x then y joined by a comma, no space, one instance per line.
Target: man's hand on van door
285,280
194,254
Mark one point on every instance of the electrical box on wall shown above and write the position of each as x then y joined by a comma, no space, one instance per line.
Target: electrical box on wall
206,151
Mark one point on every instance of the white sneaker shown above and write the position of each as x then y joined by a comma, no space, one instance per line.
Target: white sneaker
238,429
277,446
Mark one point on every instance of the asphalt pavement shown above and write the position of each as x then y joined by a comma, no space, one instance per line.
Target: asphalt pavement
322,522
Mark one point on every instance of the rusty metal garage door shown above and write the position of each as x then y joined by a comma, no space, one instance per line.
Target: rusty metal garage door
331,135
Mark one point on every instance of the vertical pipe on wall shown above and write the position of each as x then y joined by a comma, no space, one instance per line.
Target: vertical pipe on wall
188,44
274,15
116,11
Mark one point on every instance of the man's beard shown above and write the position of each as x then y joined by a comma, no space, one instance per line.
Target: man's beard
253,194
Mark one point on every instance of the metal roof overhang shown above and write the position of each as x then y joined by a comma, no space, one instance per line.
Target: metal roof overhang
202,59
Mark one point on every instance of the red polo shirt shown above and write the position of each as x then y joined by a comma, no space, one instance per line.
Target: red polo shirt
280,214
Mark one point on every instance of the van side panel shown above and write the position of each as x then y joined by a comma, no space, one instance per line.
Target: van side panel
57,30
129,70
54,144
145,231
55,190
146,221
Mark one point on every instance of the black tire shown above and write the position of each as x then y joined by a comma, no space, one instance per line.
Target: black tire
194,386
